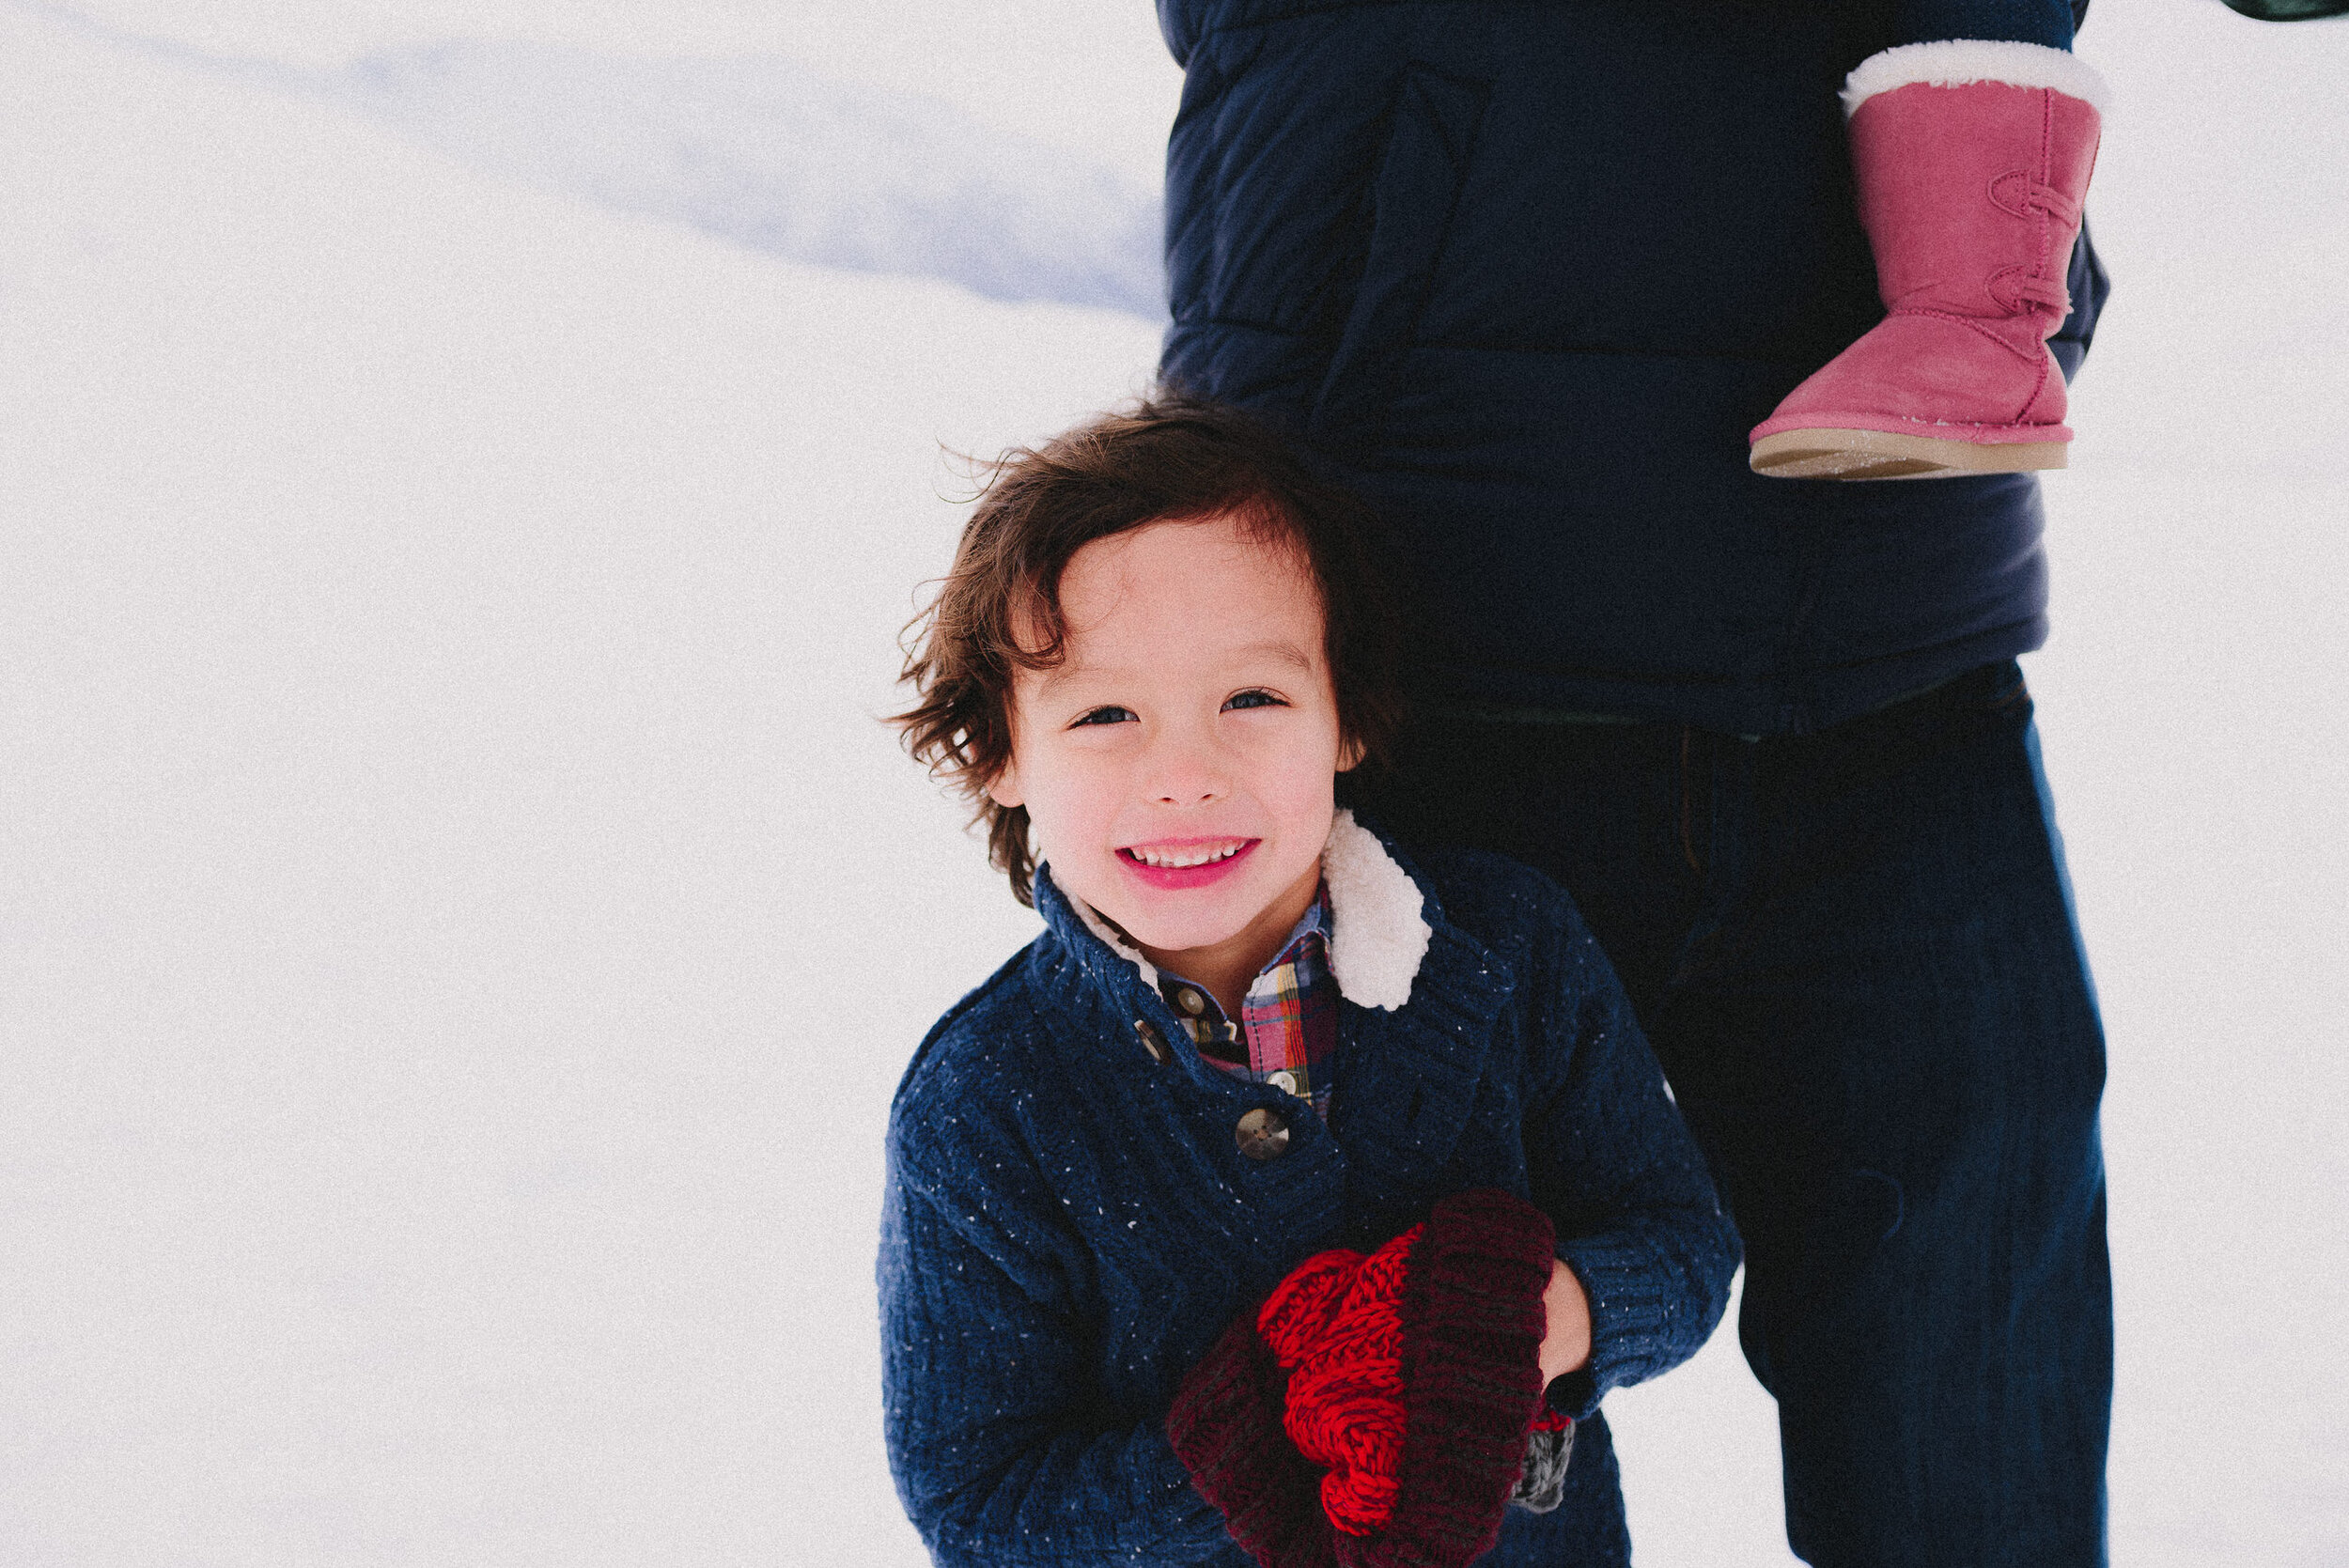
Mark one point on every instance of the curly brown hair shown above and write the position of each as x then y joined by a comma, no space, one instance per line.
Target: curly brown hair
1167,458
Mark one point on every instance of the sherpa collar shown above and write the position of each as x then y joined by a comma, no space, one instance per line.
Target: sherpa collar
1377,912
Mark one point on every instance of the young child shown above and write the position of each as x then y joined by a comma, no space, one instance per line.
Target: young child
1971,147
1291,1197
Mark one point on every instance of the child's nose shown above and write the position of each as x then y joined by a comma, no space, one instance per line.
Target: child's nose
1189,786
1187,771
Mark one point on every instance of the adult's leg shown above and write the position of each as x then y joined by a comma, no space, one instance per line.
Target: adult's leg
1855,954
1885,1035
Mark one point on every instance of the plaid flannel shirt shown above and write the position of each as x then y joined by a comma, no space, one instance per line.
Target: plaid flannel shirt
1288,1033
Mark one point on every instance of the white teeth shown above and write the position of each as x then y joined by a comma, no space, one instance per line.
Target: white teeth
1176,859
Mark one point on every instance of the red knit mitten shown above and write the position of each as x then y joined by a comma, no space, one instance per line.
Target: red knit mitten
1226,1427
1336,1325
1473,1327
1388,1396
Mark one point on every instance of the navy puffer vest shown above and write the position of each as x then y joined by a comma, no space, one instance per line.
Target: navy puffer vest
1525,274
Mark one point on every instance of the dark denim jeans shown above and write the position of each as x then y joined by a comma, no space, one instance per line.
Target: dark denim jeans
1854,953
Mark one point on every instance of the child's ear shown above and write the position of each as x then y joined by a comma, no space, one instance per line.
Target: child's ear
1350,756
1003,788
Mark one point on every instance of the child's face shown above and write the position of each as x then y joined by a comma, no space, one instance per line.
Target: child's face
1178,767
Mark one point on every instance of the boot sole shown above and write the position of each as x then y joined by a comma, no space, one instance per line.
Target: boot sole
1882,454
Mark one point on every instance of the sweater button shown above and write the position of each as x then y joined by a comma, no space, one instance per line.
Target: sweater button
1154,1041
1263,1135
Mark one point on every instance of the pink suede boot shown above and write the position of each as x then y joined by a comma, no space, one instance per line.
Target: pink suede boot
1972,161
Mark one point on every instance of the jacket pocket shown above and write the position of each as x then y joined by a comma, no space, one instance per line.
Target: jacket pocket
1431,138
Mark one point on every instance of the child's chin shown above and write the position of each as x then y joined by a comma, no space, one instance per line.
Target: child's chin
1175,931
1160,921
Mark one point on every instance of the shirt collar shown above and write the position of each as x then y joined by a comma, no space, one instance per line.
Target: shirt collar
1313,922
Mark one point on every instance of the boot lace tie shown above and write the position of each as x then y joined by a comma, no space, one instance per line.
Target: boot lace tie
2017,286
2017,192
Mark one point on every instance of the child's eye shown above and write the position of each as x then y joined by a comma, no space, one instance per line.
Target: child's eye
1110,714
1252,699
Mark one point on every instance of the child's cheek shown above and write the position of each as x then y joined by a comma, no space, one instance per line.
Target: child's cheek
1302,770
1088,786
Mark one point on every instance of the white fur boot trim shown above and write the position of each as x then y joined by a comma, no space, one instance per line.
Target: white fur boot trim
1958,61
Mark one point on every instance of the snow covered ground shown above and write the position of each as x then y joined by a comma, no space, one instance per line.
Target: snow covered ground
767,151
785,160
461,921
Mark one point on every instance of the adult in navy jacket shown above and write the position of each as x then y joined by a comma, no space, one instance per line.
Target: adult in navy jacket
1525,274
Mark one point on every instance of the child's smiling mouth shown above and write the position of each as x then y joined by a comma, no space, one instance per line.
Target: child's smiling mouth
1186,862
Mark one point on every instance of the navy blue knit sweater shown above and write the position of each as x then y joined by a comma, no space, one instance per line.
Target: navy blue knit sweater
1069,1221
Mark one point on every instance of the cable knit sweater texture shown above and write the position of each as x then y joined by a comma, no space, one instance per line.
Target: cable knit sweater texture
1069,1222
